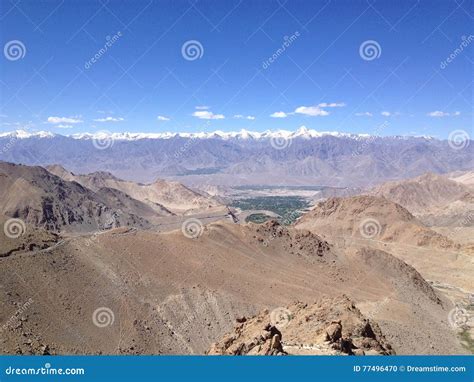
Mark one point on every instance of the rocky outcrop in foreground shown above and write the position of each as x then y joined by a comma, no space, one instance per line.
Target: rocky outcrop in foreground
328,327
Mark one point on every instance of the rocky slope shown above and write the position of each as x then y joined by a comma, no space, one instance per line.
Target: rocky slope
165,197
328,327
17,237
436,200
44,200
143,292
373,218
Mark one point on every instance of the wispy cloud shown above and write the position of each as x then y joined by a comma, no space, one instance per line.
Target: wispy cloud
364,114
162,118
332,104
313,111
240,116
202,107
62,126
279,114
206,114
109,119
441,114
58,120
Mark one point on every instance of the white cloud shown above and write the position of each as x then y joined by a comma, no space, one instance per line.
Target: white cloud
62,126
205,114
313,111
438,114
279,114
162,118
109,119
364,114
333,104
56,120
386,113
441,114
202,107
240,116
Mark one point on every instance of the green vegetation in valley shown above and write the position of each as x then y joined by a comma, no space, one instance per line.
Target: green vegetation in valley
257,218
466,340
288,207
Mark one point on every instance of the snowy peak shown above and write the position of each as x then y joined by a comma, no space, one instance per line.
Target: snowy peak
23,134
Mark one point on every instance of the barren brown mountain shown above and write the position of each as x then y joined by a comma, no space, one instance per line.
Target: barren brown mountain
436,200
370,217
171,196
147,292
45,200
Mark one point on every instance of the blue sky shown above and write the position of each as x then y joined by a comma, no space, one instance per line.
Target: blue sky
323,79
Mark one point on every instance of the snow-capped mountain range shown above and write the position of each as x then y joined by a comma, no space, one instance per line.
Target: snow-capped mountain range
304,156
302,132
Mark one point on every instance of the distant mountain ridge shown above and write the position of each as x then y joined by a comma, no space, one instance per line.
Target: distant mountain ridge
302,132
176,197
304,157
58,200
